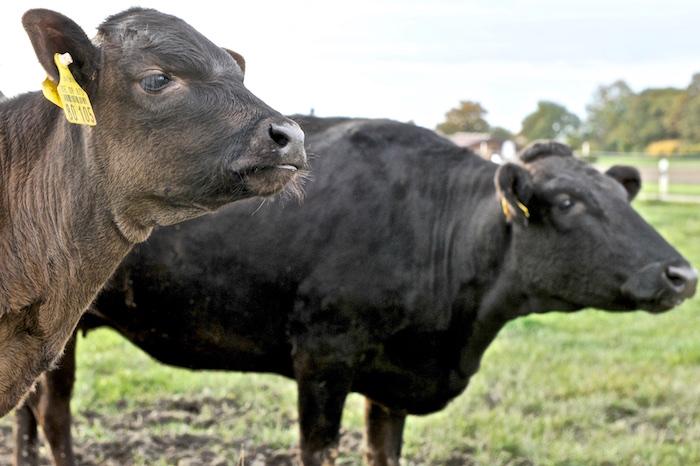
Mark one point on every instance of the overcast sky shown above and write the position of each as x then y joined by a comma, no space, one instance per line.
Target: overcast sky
416,60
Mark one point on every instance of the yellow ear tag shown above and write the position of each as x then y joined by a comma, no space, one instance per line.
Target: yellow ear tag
504,204
68,94
51,92
524,209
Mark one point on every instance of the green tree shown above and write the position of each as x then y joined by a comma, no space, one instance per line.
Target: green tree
603,127
468,117
501,133
684,117
646,119
550,121
620,120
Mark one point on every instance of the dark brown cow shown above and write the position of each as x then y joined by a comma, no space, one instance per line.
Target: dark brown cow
407,257
177,135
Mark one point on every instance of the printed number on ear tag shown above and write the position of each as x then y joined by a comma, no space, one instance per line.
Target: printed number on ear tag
68,94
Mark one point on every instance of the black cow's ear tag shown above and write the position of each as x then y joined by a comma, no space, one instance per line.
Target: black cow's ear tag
68,94
506,212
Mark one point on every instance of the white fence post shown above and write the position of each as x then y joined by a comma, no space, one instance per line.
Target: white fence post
663,178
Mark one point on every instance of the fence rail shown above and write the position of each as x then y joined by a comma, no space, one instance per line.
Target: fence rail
669,179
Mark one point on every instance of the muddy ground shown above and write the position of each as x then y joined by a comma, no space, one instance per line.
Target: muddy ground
134,438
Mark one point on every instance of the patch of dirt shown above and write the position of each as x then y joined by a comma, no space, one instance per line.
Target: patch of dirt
135,436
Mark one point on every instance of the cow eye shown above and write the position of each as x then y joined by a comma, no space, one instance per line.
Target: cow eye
155,83
563,203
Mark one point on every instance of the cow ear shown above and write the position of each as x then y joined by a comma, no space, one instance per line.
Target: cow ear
514,187
51,33
239,59
628,177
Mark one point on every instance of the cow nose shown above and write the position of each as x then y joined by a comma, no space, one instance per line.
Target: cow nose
286,134
288,139
683,280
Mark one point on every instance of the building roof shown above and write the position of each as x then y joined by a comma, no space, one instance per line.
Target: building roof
471,139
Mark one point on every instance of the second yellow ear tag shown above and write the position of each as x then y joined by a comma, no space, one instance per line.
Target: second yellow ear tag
68,94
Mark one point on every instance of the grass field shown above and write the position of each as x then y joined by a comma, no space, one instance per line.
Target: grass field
591,388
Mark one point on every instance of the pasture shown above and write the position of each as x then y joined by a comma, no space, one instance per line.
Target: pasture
591,388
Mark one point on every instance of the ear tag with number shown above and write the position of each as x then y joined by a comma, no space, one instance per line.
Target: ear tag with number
68,94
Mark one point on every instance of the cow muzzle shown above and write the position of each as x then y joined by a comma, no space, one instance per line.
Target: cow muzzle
288,140
276,160
659,287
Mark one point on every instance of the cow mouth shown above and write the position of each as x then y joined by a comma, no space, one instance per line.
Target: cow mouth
659,287
287,167
271,180
659,307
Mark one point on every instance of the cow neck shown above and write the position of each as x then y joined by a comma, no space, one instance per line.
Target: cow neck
488,298
482,237
56,234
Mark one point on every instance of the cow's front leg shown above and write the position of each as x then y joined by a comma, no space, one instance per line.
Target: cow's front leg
51,406
323,385
48,406
383,434
25,437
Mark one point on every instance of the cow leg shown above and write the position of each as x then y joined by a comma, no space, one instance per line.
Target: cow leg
322,387
383,434
25,437
55,417
50,405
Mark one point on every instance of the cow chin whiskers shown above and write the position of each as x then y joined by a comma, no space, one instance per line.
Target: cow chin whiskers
271,181
295,188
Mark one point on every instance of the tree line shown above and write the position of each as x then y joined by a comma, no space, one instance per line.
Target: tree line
657,121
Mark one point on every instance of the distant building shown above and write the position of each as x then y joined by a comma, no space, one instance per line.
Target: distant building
484,144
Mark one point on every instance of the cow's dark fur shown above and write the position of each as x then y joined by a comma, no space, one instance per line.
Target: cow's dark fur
392,278
74,199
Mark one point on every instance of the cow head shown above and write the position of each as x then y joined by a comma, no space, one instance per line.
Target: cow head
576,240
177,132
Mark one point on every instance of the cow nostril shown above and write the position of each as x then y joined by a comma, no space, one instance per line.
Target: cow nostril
279,135
676,280
683,279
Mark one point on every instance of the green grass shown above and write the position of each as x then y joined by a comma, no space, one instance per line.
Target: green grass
591,388
113,375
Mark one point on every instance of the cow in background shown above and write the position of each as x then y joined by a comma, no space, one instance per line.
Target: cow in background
406,259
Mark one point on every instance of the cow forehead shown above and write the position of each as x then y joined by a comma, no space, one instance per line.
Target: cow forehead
570,174
168,39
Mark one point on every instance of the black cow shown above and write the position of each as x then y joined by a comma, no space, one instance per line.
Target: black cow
407,257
